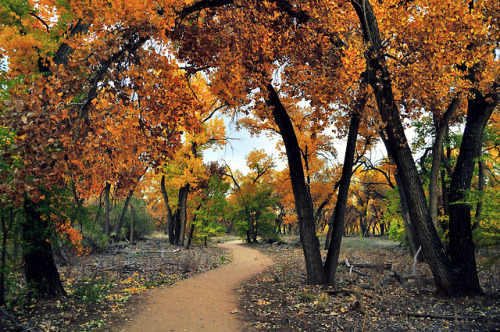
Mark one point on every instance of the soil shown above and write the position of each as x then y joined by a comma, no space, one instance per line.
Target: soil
206,302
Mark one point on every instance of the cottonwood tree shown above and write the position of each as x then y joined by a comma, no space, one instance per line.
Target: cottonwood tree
252,200
97,94
401,60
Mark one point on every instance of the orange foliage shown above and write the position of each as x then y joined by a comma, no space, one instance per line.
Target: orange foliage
119,106
72,235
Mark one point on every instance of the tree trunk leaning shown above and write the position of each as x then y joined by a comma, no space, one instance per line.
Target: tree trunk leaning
170,218
380,80
310,245
343,194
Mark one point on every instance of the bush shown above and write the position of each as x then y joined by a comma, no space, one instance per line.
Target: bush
92,290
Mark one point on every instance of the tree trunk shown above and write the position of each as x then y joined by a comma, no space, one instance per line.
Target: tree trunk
337,224
132,222
441,126
122,217
303,202
39,266
380,80
330,230
170,219
182,210
107,190
461,244
190,238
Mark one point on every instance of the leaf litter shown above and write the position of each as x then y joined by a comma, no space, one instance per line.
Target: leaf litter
101,286
376,300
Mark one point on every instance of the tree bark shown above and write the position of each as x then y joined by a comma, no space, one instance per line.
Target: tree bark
462,254
303,202
181,215
380,80
190,238
337,224
122,217
170,219
39,266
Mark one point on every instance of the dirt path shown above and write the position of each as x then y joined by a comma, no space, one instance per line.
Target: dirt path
206,302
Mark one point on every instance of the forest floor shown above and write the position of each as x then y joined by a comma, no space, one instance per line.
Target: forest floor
102,285
106,290
375,300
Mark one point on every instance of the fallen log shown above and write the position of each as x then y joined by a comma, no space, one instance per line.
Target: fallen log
385,266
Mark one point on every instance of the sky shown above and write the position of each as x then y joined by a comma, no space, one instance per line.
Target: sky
239,146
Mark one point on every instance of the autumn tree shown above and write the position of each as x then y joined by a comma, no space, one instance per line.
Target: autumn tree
85,75
211,204
478,112
252,200
400,64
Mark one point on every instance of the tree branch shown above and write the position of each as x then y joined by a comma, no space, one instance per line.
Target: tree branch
43,22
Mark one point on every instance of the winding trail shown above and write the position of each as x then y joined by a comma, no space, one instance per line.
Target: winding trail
206,302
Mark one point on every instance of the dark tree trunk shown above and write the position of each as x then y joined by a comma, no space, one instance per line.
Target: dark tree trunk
461,244
380,80
303,202
182,211
39,266
170,219
337,224
362,226
107,190
122,217
190,237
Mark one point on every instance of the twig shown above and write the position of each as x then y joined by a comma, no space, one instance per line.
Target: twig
351,269
414,269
